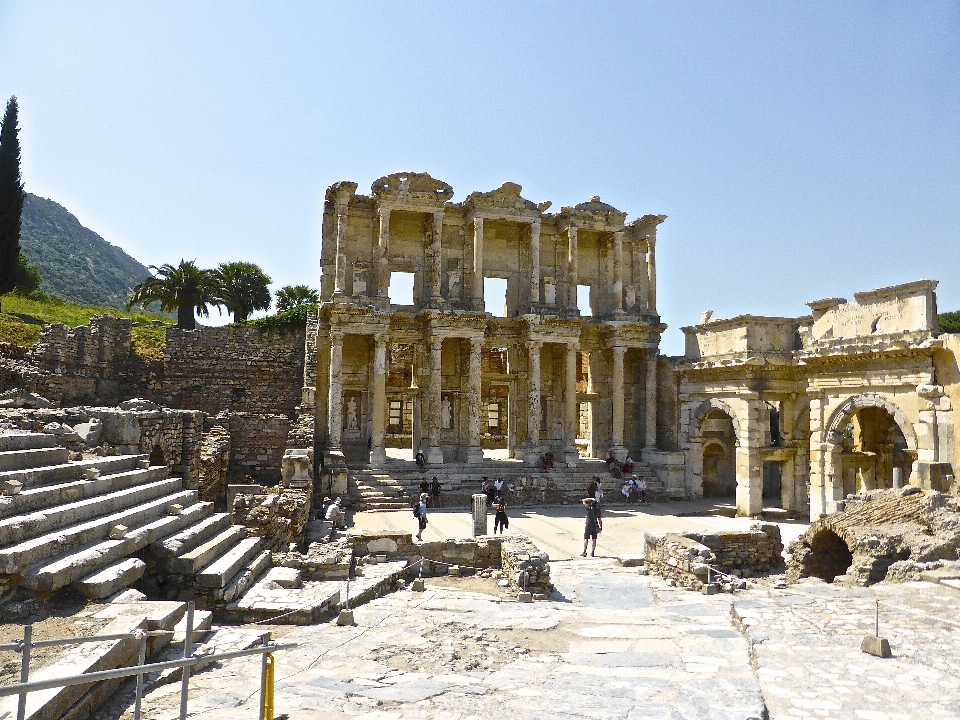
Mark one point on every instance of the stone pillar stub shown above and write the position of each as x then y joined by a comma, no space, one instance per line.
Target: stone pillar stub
570,454
652,275
378,454
479,514
616,398
340,282
436,248
533,402
434,452
474,447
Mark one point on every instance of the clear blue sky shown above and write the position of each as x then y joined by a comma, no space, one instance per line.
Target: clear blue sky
801,150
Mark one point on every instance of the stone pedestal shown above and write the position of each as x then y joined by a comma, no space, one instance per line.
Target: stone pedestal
434,456
296,469
479,515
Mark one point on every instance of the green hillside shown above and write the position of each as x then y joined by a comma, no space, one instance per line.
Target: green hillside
75,263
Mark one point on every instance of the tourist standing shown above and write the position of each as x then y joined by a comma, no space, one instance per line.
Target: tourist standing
500,520
435,492
642,489
420,512
593,526
424,486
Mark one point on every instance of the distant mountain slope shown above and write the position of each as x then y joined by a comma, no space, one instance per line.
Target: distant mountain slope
75,263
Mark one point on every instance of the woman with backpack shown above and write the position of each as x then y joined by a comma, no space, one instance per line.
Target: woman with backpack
500,520
420,513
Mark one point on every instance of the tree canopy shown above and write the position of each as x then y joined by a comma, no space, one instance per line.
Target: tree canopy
243,288
290,297
11,198
184,288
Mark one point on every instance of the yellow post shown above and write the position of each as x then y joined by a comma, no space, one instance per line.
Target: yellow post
268,690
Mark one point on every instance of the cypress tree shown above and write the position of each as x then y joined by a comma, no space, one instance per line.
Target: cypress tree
11,198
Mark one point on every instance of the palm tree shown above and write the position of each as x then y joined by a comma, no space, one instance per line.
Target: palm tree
184,288
294,296
243,288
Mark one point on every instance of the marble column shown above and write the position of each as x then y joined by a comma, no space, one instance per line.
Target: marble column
616,287
652,274
477,294
378,454
650,441
335,403
533,402
534,263
436,248
616,397
570,454
572,267
340,277
434,452
383,261
474,399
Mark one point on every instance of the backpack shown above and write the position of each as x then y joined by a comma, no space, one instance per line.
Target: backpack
416,510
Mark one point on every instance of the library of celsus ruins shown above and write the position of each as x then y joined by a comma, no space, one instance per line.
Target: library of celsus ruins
794,413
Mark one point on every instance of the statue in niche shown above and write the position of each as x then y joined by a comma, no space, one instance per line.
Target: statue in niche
352,422
446,414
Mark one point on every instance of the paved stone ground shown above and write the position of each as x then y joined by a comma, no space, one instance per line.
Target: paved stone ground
610,643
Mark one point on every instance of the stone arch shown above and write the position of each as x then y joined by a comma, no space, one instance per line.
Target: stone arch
833,430
696,417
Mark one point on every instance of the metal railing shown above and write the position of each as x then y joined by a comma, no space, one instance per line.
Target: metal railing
187,662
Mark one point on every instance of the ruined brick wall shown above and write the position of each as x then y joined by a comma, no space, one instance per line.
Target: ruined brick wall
278,515
241,369
214,461
257,446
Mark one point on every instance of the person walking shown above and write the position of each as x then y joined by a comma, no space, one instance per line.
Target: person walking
500,520
593,526
420,513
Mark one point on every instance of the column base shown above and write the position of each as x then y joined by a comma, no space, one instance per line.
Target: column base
378,457
434,456
619,452
474,455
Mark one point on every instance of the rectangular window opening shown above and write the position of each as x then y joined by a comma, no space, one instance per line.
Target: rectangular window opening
583,300
495,296
401,288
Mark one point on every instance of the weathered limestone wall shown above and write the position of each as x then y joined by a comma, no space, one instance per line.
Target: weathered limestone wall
257,444
242,369
214,462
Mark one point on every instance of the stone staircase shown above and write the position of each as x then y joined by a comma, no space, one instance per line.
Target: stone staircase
397,485
100,524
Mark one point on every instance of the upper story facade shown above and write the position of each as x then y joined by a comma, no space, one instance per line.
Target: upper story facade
450,251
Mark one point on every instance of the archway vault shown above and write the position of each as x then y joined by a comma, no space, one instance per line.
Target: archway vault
834,429
696,417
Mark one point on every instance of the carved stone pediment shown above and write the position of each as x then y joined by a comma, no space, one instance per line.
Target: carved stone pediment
594,213
505,199
415,186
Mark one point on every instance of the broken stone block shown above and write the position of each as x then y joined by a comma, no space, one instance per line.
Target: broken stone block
524,597
875,646
128,596
453,570
108,581
417,585
20,398
10,487
120,428
138,404
345,618
91,473
117,532
89,432
175,509
285,577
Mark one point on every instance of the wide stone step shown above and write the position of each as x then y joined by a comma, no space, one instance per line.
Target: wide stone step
218,573
54,573
16,558
22,527
72,470
38,498
26,441
245,579
111,579
189,538
191,562
27,459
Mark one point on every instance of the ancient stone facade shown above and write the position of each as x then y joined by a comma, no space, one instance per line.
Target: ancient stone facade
436,372
804,411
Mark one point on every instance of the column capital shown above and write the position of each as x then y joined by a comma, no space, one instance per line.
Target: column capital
336,336
381,339
436,344
533,344
438,215
476,343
